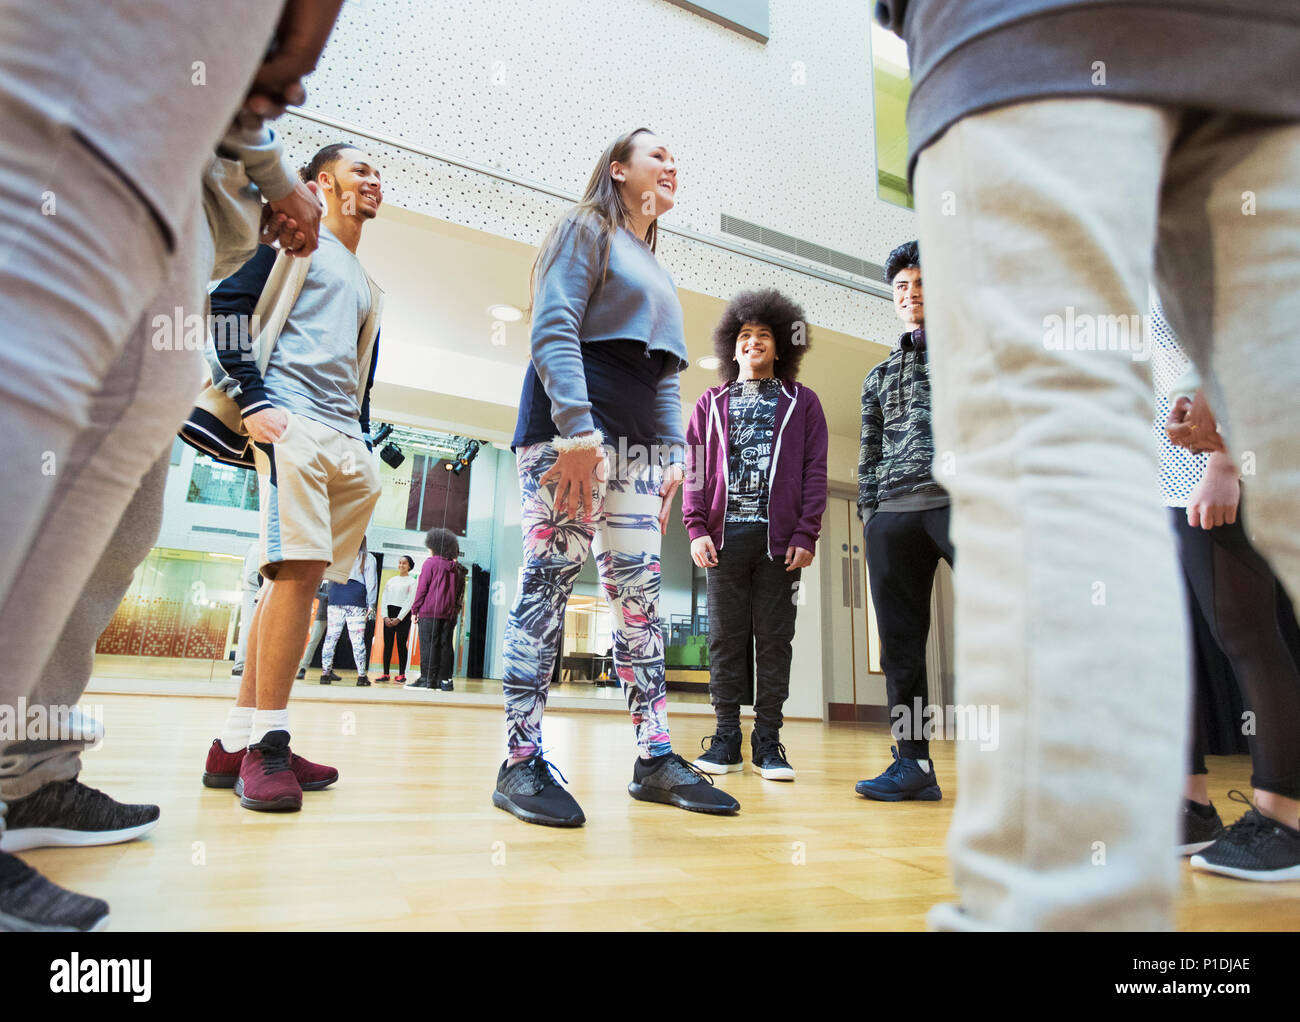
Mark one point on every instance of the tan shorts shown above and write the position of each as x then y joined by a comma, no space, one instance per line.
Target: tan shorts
318,490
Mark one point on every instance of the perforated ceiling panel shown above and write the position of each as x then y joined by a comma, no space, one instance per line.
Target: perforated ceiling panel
777,134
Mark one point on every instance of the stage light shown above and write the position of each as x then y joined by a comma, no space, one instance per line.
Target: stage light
392,455
465,456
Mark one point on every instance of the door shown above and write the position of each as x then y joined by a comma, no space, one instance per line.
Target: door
854,687
854,684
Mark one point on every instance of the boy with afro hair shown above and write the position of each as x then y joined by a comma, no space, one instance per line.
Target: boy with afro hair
757,444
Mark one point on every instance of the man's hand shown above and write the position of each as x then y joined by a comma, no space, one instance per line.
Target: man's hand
673,476
294,221
300,37
267,426
703,552
1191,424
797,557
1214,500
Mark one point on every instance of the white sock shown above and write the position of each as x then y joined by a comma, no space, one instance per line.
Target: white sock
924,764
234,736
267,720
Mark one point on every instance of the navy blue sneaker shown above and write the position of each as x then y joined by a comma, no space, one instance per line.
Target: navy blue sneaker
903,781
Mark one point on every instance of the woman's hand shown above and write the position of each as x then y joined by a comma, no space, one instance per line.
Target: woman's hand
673,476
1214,501
703,552
1191,424
576,471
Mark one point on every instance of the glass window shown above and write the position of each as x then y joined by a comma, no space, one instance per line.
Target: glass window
211,482
182,603
891,85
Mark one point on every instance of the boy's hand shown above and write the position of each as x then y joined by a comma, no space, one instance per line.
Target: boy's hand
797,557
267,425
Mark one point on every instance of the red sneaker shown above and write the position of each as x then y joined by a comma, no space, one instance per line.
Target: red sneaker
222,769
382,677
266,779
401,679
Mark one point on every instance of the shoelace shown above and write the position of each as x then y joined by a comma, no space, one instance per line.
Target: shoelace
83,793
541,768
766,748
715,739
275,759
699,775
894,769
1250,826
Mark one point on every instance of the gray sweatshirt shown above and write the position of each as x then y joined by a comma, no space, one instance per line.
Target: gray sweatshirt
973,55
637,301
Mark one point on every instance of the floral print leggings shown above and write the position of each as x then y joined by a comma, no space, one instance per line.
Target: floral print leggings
624,531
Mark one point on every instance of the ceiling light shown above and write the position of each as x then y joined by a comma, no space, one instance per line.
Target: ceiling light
506,313
708,362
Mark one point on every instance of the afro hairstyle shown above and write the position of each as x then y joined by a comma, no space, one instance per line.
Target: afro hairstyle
442,543
779,314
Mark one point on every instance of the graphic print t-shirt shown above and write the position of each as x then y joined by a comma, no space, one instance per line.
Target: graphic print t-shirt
751,411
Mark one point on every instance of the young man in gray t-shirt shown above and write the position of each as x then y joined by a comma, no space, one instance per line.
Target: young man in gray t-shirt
308,417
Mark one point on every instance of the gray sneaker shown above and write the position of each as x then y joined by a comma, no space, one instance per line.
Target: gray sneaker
30,903
671,780
69,814
528,791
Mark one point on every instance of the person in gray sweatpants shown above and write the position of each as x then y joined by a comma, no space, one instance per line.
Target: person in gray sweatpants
105,146
1066,155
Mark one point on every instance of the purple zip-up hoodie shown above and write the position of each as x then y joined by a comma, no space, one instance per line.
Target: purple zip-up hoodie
796,479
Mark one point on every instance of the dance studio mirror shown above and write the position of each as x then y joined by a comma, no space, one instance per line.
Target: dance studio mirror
180,626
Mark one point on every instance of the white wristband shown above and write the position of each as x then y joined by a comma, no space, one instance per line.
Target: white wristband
592,441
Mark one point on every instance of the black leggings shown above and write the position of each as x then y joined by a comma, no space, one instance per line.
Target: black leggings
1254,624
401,632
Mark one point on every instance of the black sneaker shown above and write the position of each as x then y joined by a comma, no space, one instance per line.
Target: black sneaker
447,686
671,780
329,676
903,781
67,814
235,672
1201,827
419,683
30,903
769,760
1253,848
363,681
529,791
302,673
723,754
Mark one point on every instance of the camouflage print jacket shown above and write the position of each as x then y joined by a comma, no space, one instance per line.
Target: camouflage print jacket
897,442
